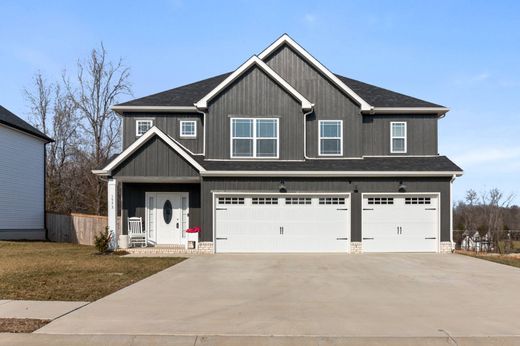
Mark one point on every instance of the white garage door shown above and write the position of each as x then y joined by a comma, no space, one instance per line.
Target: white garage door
282,223
400,223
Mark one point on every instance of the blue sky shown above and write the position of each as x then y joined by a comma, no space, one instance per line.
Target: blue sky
461,54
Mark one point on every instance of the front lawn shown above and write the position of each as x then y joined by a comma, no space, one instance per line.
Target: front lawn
56,271
502,259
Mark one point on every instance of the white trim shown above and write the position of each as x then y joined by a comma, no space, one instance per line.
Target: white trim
451,211
330,173
405,137
439,211
137,121
154,131
286,39
141,179
194,135
254,138
23,132
120,108
340,137
407,110
254,60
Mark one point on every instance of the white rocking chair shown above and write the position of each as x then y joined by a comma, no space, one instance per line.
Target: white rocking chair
136,234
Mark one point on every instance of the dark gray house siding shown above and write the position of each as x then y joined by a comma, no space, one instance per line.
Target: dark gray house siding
330,102
421,134
134,201
255,94
155,158
169,123
364,185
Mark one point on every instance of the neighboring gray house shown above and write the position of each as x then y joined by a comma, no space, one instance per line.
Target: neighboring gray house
22,178
282,155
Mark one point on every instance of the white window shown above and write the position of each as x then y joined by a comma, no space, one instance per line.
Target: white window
398,137
188,129
142,125
331,137
254,137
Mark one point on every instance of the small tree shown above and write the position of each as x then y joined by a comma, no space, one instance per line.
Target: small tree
102,241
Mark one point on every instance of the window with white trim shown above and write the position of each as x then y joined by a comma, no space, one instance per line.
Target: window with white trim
230,200
265,200
332,200
380,200
398,137
188,129
142,125
331,138
252,137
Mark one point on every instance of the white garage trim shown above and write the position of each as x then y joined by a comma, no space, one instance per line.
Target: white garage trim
403,195
245,194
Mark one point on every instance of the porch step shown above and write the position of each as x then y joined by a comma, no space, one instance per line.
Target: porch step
204,248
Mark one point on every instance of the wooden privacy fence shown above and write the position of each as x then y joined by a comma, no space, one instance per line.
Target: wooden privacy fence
75,228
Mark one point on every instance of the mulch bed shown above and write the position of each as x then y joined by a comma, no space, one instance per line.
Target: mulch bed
21,325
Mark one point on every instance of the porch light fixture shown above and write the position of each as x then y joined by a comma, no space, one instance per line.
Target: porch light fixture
356,190
402,187
282,186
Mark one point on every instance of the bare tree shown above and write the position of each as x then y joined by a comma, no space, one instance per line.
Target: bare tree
99,84
40,101
493,204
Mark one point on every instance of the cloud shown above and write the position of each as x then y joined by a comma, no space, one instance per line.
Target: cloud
474,79
309,18
490,158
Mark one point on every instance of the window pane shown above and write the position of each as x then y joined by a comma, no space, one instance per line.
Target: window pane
330,129
188,128
266,147
242,128
398,144
243,147
143,126
397,130
330,146
266,128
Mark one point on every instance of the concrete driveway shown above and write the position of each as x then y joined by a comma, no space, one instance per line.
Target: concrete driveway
415,295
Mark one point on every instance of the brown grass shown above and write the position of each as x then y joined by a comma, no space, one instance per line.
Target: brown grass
510,260
20,325
55,271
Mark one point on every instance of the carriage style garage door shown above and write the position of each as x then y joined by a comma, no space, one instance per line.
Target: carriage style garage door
400,223
285,223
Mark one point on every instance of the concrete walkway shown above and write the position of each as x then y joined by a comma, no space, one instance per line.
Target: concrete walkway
42,310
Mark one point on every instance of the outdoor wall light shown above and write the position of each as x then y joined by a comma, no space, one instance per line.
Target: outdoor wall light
356,189
282,186
402,187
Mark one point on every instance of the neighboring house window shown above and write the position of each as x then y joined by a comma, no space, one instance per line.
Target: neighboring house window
141,126
188,129
256,138
398,137
331,137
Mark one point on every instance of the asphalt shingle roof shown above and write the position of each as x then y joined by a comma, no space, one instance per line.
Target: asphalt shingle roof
10,119
187,95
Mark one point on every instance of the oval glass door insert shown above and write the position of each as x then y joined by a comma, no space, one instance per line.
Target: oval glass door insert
167,211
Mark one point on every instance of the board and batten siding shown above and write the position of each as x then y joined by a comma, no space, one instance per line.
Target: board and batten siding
255,94
168,123
155,158
332,185
330,102
22,179
421,133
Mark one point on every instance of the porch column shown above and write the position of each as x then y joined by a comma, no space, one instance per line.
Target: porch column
112,211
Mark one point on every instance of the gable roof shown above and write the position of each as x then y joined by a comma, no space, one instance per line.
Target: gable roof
154,131
10,119
253,61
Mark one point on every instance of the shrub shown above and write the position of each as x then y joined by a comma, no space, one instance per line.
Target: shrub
102,241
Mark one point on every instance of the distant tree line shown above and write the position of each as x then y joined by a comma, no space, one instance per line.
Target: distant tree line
75,112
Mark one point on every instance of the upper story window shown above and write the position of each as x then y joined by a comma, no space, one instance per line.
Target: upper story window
398,137
188,129
254,137
142,125
331,137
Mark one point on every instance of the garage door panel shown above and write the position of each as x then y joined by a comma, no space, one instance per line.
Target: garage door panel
400,223
293,224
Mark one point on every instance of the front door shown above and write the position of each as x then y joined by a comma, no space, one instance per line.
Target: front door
167,217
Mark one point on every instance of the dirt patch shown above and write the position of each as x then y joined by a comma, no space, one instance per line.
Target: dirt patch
21,325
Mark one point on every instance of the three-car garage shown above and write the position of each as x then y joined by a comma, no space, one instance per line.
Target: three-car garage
283,223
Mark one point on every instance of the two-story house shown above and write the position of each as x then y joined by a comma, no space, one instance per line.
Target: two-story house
282,155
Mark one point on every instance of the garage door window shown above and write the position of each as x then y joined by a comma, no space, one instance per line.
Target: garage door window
380,200
230,200
332,200
265,200
297,200
417,200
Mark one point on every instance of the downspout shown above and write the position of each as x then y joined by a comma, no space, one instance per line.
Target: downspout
45,192
451,211
203,131
305,133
